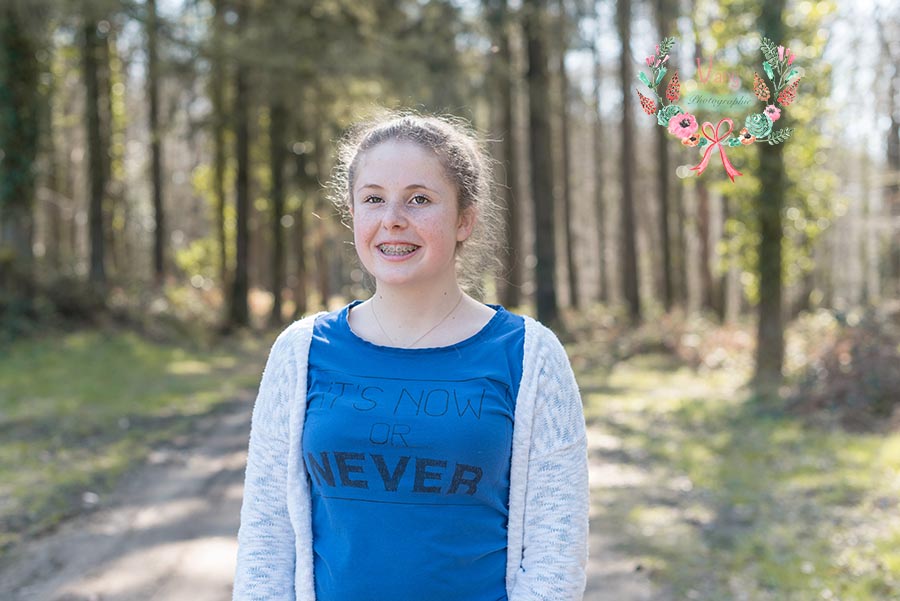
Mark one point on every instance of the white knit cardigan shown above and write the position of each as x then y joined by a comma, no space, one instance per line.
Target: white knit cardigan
548,483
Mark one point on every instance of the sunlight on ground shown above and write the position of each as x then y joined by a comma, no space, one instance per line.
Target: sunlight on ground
721,500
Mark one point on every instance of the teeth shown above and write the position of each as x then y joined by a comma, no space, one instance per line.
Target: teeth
397,249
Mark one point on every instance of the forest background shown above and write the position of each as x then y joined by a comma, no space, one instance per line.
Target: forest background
161,171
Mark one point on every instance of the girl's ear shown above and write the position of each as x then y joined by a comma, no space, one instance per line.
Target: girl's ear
466,223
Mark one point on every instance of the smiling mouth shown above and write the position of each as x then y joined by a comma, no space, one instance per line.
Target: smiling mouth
397,250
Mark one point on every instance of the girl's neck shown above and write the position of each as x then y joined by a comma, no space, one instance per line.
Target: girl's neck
409,311
414,318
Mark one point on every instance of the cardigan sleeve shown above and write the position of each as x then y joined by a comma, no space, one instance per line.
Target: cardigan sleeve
555,532
266,551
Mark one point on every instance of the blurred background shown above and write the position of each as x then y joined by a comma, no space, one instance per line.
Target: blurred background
163,216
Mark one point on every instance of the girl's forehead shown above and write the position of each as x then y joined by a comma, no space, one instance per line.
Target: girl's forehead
399,159
394,148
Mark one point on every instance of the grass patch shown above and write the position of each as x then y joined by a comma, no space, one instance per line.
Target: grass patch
79,409
742,502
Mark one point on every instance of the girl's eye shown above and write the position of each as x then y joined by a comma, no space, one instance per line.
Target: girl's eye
418,199
372,199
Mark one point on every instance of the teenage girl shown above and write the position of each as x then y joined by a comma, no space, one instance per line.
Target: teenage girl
418,445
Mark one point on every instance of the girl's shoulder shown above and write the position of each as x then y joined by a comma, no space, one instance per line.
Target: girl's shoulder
540,336
298,332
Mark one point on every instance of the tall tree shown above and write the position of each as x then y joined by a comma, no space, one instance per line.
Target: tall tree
324,230
891,192
278,123
304,183
770,203
19,129
703,220
665,19
219,125
239,314
562,48
92,41
629,238
500,21
156,179
598,141
541,168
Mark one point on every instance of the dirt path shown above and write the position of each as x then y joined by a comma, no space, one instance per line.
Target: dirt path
168,532
612,574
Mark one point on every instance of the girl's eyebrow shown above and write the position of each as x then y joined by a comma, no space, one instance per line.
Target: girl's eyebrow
409,187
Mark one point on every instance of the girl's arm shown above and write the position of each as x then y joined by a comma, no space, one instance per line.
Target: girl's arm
266,552
555,532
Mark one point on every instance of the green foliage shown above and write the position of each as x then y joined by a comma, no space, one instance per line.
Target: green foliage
19,110
195,261
811,196
199,258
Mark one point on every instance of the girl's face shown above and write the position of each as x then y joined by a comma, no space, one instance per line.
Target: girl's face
406,220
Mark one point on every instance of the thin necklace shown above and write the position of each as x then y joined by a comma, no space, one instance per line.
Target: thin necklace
388,336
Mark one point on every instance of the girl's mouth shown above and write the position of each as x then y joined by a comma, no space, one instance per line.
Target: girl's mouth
397,250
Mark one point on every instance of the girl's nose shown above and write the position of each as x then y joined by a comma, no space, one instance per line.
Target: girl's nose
394,215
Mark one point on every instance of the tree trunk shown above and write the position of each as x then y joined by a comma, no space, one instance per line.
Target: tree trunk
707,286
722,291
541,165
156,179
106,57
891,192
240,311
872,287
599,193
96,161
499,21
219,125
680,261
53,208
570,242
301,291
323,228
630,277
277,156
19,127
773,182
665,22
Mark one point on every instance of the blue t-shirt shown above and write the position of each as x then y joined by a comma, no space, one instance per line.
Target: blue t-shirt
408,455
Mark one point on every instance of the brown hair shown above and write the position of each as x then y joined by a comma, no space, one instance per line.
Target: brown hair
466,163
